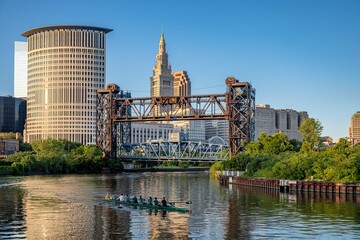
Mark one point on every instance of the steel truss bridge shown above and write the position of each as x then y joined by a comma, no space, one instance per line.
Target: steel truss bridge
115,113
187,150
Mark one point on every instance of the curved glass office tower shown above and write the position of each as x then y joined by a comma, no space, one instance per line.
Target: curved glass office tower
66,66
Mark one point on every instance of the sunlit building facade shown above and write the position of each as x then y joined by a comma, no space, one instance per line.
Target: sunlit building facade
271,121
354,130
66,66
20,69
182,84
145,131
162,81
267,120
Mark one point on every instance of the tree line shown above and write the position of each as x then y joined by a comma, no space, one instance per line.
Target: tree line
278,157
52,156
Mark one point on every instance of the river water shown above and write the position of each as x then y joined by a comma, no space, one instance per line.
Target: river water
72,207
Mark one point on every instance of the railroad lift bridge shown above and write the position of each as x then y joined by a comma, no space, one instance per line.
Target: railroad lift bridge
116,112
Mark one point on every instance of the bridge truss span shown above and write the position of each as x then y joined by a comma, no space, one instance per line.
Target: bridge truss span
170,108
115,114
187,150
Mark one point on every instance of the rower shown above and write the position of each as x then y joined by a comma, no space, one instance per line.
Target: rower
141,200
156,202
163,202
114,196
135,199
107,196
121,198
127,198
149,201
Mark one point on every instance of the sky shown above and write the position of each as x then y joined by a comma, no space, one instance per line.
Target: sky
302,55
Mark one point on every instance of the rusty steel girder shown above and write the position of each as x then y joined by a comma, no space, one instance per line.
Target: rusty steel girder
237,106
170,108
104,122
241,107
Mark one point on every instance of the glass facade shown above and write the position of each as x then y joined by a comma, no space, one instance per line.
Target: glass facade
12,114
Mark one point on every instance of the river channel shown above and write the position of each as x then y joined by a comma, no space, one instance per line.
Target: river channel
72,207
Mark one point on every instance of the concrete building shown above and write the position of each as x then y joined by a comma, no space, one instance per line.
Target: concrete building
12,114
217,128
178,137
267,120
20,69
271,121
194,129
182,84
354,130
66,65
143,132
8,146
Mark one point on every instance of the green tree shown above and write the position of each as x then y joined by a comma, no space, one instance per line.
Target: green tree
311,130
237,162
217,166
266,144
296,144
115,165
25,147
253,148
23,162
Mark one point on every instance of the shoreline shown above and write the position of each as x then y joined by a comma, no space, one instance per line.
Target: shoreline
200,169
107,171
289,186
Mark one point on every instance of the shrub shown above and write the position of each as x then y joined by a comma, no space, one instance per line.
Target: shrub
6,170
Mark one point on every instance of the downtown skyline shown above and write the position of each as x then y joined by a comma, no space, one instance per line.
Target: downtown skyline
298,55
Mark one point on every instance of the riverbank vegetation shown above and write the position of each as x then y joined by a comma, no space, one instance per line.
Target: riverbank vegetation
55,157
277,157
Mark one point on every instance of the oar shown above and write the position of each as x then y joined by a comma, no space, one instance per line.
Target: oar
187,202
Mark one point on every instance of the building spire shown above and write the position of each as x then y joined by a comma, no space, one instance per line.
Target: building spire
162,81
162,44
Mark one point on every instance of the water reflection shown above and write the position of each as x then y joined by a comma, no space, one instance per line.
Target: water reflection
261,213
12,216
71,207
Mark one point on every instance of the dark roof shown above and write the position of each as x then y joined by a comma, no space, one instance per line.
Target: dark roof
41,29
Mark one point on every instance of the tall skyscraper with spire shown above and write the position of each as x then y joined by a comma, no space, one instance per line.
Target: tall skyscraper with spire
162,81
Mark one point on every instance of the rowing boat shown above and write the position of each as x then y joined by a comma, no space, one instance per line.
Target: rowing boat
144,205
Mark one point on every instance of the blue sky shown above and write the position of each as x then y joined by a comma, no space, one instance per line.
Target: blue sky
303,55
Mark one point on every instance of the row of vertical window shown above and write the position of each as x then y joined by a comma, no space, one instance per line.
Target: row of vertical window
66,68
65,62
66,81
42,58
66,38
62,73
50,52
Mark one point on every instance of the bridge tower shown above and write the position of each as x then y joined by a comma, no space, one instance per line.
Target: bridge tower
109,133
241,110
